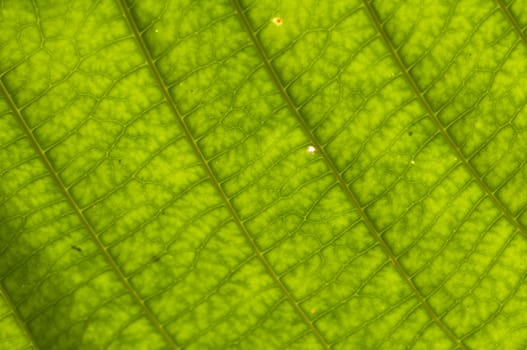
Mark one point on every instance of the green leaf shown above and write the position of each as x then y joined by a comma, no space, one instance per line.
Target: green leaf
209,174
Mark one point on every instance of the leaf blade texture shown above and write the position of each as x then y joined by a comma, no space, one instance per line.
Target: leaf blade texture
263,174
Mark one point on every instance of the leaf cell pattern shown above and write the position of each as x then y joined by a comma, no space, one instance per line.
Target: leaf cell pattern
189,174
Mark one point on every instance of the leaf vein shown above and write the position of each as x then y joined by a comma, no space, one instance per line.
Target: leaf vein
18,318
215,182
512,20
437,122
351,196
87,225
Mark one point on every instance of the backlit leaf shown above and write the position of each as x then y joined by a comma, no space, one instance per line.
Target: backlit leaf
274,174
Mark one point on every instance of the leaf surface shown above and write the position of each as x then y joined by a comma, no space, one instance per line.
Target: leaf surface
263,174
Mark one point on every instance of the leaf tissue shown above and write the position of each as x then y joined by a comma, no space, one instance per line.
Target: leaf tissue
263,174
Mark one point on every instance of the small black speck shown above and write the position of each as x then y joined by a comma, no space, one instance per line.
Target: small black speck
155,258
410,133
120,160
74,247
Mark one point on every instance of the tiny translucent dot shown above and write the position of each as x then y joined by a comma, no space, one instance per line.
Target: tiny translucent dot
278,21
412,162
311,149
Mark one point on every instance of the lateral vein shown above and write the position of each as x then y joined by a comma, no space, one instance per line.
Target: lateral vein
439,125
18,318
351,196
510,17
72,202
179,118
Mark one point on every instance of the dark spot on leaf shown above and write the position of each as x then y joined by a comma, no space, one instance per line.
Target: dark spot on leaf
410,133
155,258
120,160
74,247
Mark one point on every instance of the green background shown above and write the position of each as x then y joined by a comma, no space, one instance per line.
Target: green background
157,192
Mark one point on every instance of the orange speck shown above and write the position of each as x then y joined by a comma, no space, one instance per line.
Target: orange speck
278,21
